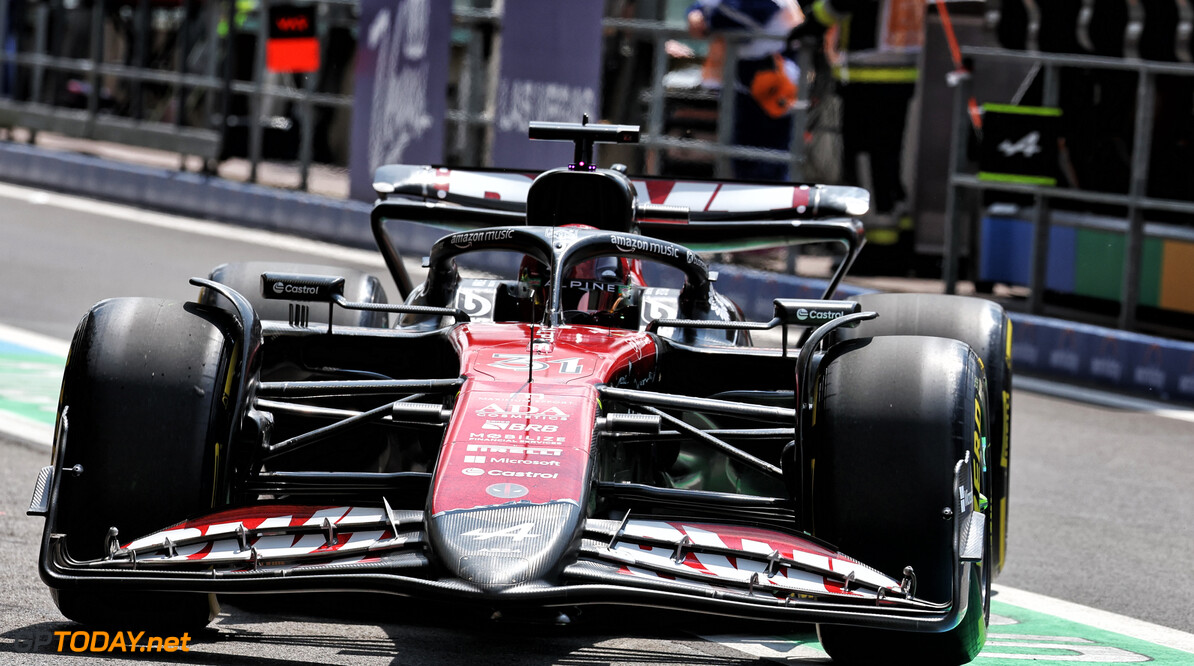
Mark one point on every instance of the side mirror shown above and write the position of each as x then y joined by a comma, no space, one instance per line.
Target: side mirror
808,312
295,287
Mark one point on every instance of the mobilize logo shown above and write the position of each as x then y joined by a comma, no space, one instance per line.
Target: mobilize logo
100,641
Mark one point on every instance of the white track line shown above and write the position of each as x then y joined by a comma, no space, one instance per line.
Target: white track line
25,430
1103,398
34,341
193,226
1093,617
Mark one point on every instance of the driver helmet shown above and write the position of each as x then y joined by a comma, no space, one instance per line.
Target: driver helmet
598,286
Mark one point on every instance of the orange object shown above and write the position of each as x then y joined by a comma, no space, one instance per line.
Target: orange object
976,118
773,90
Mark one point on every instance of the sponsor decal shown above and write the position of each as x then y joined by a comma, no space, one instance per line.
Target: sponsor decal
519,427
515,532
805,314
507,490
520,461
525,450
464,240
568,366
632,243
302,289
476,303
523,475
595,285
510,439
474,460
694,258
493,410
472,471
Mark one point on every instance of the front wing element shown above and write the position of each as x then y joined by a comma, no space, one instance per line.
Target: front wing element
686,565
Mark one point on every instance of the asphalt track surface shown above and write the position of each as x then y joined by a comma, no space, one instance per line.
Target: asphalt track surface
1101,501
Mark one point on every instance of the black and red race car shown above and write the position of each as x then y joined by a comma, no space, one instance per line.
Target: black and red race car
564,413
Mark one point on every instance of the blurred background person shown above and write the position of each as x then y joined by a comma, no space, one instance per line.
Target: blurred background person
878,43
766,76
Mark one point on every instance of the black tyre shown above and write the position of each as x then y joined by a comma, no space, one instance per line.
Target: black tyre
986,328
145,387
359,287
892,417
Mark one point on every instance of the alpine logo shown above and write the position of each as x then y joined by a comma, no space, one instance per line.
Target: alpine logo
516,532
1029,145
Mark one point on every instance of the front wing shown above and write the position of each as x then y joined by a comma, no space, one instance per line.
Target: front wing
699,566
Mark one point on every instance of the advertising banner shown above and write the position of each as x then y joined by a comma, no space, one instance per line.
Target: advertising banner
550,70
401,87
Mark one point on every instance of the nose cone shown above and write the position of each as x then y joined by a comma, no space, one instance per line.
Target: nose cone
497,547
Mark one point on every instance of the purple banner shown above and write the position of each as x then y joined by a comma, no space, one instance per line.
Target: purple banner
550,70
401,87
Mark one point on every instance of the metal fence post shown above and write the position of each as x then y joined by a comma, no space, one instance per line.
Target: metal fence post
1041,213
97,56
726,106
655,111
140,57
255,100
804,60
306,110
1137,190
960,81
41,30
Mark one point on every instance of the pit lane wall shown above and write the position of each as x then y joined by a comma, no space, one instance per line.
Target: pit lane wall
1150,366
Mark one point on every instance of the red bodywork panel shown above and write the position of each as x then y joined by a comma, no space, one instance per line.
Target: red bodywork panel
523,422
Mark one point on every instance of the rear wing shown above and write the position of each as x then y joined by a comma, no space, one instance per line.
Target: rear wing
702,215
704,200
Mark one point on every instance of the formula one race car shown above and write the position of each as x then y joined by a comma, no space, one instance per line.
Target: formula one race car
565,413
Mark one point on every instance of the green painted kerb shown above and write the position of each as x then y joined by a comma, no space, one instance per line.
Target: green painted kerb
29,383
1018,635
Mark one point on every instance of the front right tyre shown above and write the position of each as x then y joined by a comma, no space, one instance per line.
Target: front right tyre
148,414
891,418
